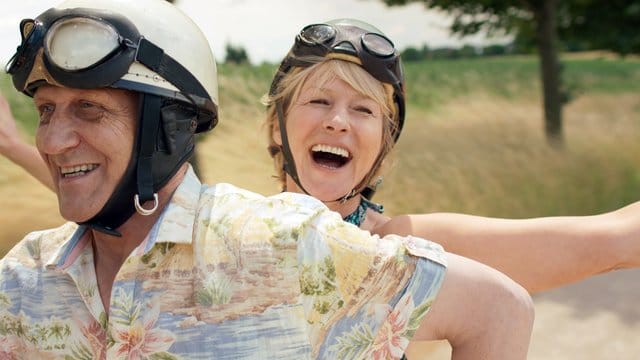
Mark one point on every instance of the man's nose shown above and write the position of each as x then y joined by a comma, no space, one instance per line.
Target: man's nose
57,136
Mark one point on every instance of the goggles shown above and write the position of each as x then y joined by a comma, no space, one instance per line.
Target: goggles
375,51
87,48
371,50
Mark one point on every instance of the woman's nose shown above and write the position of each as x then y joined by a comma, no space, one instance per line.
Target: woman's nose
337,121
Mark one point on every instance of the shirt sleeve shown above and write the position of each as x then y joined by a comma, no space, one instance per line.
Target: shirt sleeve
365,295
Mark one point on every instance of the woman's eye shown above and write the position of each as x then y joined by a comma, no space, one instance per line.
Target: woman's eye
319,101
364,110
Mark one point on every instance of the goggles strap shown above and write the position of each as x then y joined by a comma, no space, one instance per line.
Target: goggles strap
148,132
155,59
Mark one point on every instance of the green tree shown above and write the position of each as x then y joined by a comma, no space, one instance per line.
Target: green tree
609,25
470,17
410,54
235,54
597,24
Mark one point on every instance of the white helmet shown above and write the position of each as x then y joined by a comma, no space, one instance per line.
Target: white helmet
147,46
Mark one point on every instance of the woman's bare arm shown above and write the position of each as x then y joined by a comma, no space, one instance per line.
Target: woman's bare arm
481,312
538,253
14,148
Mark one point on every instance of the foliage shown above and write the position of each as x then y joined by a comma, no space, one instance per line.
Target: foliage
596,24
582,24
235,54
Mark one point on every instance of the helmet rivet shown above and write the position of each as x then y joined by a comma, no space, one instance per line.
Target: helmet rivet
157,78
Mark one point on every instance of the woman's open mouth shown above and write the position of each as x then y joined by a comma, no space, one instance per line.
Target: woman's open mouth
330,156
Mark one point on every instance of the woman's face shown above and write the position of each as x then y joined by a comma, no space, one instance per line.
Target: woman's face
335,135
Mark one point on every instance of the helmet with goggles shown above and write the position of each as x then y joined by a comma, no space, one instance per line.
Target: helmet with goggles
348,40
146,46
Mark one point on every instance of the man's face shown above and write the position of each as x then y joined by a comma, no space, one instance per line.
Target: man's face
86,139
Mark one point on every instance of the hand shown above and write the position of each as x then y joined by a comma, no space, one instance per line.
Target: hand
8,130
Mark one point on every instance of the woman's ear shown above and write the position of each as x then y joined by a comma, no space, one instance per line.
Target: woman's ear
275,133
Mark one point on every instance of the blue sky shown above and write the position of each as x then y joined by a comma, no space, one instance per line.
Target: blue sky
266,28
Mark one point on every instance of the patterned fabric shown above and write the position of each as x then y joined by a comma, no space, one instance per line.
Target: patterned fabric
224,274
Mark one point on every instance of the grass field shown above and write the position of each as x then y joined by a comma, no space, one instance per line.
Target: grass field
473,142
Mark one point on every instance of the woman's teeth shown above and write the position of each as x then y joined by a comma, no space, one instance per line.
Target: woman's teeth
331,149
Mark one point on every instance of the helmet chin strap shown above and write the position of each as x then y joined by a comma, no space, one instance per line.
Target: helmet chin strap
120,206
164,141
290,165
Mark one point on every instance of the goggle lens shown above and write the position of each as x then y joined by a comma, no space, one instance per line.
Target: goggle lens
80,43
317,34
378,44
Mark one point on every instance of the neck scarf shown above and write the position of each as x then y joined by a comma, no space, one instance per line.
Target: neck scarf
357,217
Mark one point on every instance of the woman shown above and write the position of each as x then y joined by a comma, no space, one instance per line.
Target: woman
328,147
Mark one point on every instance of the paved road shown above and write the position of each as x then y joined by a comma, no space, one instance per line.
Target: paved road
595,319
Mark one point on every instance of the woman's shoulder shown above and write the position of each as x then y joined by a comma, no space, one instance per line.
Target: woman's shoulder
374,221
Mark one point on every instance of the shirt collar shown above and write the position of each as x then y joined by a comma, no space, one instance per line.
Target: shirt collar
175,224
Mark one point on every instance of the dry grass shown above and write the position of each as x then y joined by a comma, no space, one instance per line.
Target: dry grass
490,156
476,154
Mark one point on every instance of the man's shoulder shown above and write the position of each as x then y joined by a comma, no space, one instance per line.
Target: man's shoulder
40,245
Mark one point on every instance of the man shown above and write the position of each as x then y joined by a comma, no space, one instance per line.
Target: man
154,264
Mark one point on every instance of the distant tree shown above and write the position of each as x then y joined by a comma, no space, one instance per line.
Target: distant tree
468,51
444,53
471,17
611,25
493,50
235,54
411,54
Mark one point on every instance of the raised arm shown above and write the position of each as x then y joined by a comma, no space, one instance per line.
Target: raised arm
539,253
14,148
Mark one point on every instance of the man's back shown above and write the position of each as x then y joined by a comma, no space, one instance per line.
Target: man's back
262,278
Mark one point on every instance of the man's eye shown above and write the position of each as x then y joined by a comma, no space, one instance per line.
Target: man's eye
88,111
45,112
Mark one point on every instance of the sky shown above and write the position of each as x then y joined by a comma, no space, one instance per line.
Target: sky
266,28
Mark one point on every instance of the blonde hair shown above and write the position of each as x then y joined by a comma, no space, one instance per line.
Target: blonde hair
290,86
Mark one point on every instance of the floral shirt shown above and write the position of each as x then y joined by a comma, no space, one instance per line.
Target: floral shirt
224,274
